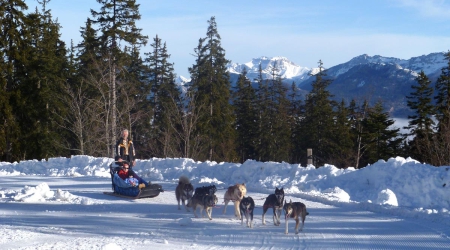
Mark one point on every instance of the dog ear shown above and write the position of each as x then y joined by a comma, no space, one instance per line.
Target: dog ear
243,184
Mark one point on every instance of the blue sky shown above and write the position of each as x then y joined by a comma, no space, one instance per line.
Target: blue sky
303,31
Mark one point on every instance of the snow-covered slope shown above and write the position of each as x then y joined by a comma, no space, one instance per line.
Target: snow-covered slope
430,64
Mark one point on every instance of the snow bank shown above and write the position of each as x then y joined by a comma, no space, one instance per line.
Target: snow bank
397,182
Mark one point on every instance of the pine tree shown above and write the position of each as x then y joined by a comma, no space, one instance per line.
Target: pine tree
12,22
45,66
262,105
421,122
211,84
274,132
88,51
442,156
382,141
318,119
164,95
246,117
341,156
295,114
92,84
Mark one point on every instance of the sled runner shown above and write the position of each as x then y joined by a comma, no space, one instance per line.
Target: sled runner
124,190
148,193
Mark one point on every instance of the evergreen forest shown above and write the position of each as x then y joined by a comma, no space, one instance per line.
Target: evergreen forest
60,99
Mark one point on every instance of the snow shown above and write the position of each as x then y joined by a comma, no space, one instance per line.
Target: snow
59,204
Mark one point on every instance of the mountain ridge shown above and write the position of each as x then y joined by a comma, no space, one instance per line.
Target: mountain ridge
377,78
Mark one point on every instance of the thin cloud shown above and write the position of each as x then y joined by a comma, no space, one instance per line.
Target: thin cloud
429,8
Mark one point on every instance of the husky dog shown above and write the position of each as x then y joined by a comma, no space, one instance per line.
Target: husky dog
202,191
183,192
274,201
205,202
247,206
208,190
296,210
235,193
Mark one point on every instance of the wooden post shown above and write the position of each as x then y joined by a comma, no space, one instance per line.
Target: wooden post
309,156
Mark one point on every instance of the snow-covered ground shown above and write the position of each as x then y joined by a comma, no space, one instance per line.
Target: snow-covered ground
59,204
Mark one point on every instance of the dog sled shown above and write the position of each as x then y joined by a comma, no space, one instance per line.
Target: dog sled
124,190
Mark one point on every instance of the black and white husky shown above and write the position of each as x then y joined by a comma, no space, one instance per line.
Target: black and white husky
274,201
247,205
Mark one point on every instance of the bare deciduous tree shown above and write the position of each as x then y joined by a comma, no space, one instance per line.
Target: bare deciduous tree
183,124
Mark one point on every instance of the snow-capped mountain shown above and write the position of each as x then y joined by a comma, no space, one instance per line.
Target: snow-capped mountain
270,66
182,82
371,78
430,64
378,78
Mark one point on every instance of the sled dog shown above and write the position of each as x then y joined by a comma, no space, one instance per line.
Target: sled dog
208,190
235,194
183,192
296,210
247,206
205,202
274,201
202,191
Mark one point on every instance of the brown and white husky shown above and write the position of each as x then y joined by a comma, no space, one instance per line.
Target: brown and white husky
296,210
235,194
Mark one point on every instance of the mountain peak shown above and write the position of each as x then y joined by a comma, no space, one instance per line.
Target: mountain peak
286,68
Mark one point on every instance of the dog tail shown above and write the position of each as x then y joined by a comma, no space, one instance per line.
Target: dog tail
184,180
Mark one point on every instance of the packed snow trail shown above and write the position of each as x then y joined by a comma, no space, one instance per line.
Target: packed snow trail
92,220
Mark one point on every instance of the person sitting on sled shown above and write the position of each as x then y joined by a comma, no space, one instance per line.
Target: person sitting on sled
130,177
125,149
